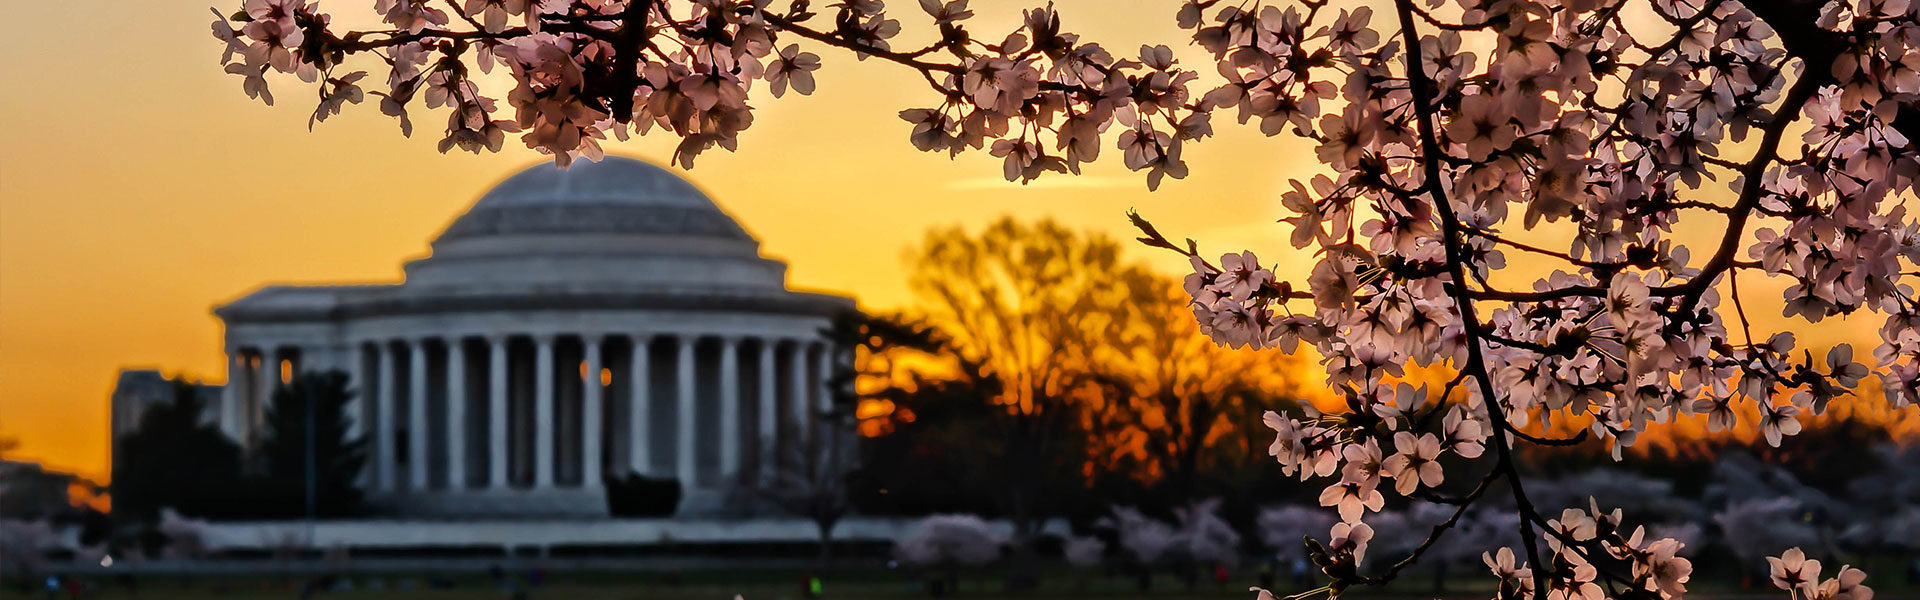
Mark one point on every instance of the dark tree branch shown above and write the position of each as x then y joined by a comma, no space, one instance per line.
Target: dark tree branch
1421,88
1546,441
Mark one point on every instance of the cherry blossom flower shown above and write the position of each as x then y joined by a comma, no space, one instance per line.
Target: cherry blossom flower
796,67
1482,126
933,130
343,92
1241,275
1025,160
224,32
1464,434
1846,585
1155,151
1415,462
1363,463
1792,570
1351,538
1347,136
255,81
946,12
493,13
1665,571
1574,524
1574,580
411,16
1350,31
1516,581
1351,498
1777,421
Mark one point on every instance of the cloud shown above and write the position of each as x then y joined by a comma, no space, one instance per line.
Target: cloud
1050,181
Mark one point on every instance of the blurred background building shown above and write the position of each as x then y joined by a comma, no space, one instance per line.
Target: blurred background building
138,389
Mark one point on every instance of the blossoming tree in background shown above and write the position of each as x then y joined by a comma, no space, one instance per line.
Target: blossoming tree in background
187,537
948,542
1197,537
1452,128
23,544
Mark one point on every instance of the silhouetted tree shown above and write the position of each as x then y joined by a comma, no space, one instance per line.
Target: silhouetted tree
933,427
884,367
174,459
1100,353
1171,395
1034,305
337,457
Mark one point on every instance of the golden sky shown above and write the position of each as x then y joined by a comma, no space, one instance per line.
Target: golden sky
139,187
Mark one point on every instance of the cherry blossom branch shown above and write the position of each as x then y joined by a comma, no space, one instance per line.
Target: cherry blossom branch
584,71
361,41
1586,548
1439,531
1438,498
1754,175
1421,89
1740,309
1575,440
1151,237
1497,238
1445,25
909,60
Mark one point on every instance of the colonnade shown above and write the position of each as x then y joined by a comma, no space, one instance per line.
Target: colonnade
547,411
252,375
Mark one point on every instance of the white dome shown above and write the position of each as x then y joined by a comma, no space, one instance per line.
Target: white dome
616,195
617,223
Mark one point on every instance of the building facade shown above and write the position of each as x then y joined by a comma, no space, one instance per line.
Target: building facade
135,390
572,325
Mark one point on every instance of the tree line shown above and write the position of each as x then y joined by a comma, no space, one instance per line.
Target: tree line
1041,374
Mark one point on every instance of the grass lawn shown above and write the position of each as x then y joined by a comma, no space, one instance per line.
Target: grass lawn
788,585
752,585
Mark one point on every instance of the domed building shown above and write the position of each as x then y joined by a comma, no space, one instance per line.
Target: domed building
572,326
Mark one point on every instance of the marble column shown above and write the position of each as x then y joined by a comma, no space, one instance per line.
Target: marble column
268,380
250,364
823,402
497,412
543,413
729,407
590,429
387,415
683,386
769,414
417,417
802,414
639,411
357,403
233,397
456,414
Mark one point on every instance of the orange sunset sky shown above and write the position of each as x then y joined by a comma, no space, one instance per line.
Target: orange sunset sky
139,187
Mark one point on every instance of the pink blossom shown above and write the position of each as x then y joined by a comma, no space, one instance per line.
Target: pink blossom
1351,497
1792,570
795,67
